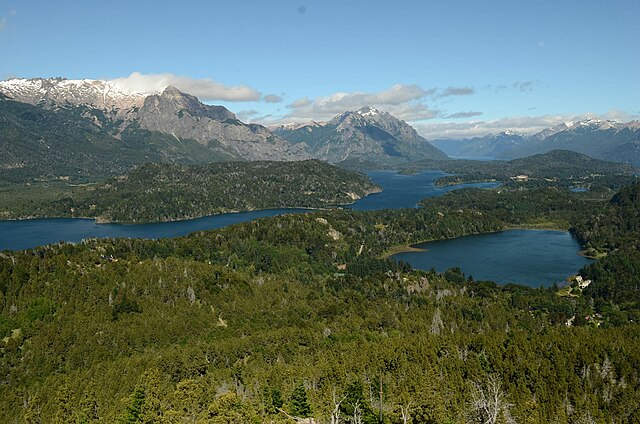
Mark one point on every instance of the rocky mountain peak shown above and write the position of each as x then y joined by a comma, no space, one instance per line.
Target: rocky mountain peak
174,102
172,91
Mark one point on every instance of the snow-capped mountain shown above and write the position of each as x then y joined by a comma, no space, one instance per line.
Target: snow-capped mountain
602,139
115,108
291,126
61,92
85,128
365,134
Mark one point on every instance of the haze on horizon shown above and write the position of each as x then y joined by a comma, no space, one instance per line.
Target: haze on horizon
451,69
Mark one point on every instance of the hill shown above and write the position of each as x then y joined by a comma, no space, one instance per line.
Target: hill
557,167
289,316
162,192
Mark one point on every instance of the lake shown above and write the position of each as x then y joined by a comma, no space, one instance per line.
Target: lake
530,257
405,191
399,191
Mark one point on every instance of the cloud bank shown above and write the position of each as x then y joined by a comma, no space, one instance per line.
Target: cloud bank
205,89
405,101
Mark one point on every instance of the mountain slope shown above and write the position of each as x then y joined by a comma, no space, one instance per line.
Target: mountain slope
116,113
37,143
183,116
606,140
366,134
600,139
489,146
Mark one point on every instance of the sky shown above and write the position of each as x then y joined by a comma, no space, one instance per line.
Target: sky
450,68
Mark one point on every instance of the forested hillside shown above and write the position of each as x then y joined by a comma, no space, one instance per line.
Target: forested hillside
40,144
297,316
161,192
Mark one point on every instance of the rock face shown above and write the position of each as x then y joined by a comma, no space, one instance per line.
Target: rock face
169,112
183,116
366,134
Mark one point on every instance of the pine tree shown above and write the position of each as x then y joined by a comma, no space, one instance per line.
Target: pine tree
134,409
299,403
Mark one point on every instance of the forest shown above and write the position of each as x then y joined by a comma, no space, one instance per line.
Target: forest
163,192
300,316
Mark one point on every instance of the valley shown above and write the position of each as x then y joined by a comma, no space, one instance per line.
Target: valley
231,272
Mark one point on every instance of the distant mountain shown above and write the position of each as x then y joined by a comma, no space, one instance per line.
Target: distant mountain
606,140
492,146
175,126
366,134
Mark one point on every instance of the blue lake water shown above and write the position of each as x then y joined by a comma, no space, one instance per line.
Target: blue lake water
399,191
530,257
405,191
29,233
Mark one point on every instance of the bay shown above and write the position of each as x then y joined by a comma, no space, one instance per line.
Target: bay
399,191
530,257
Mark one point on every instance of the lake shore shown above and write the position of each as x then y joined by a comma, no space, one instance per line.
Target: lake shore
548,226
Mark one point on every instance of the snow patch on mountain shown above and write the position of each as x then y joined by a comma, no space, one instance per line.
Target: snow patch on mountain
57,92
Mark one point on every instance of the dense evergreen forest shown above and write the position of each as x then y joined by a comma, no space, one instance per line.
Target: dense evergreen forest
557,168
299,316
162,192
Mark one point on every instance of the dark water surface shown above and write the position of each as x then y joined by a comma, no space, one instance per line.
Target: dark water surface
530,257
405,191
399,191
36,232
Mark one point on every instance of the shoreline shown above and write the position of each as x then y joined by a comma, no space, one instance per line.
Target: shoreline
100,220
407,248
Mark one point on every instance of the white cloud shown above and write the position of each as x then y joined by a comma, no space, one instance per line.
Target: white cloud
520,124
204,88
403,101
459,115
3,23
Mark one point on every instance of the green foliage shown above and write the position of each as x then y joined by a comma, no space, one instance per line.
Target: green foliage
157,192
220,326
134,407
560,168
355,404
40,308
299,403
80,144
124,305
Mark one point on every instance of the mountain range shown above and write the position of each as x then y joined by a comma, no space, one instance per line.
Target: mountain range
601,139
170,112
83,129
91,129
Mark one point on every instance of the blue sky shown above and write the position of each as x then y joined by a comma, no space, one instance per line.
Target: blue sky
451,68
